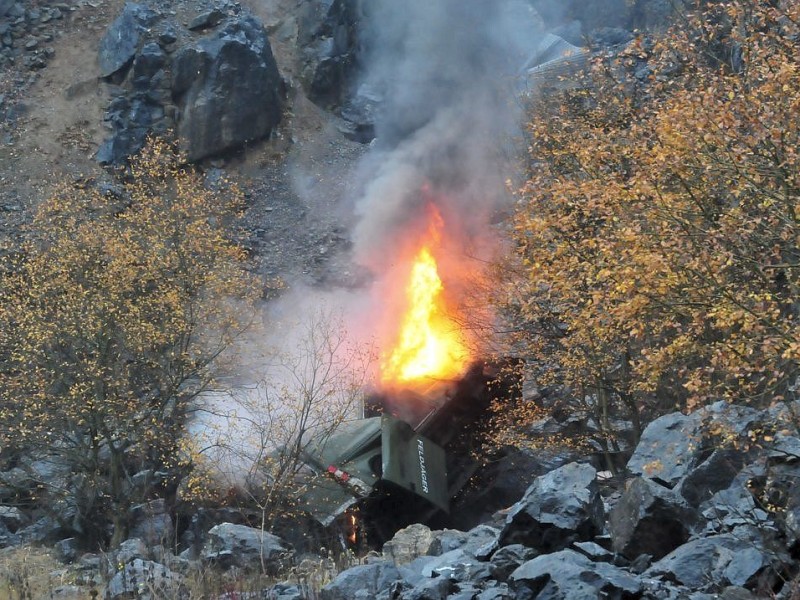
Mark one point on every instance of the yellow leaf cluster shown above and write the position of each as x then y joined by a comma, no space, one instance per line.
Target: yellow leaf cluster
657,232
114,310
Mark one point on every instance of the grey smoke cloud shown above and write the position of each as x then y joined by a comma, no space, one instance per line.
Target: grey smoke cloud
446,71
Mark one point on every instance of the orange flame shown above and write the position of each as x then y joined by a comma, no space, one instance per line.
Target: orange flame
429,344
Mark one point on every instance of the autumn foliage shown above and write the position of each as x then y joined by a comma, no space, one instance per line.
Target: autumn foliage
657,260
111,317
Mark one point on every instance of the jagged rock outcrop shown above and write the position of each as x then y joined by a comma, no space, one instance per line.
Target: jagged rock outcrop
650,519
215,82
567,574
228,89
328,40
245,547
560,507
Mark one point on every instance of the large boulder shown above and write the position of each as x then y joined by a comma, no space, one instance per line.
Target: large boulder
559,508
362,582
228,89
218,86
568,575
245,547
121,41
407,544
674,445
712,562
668,449
328,42
649,519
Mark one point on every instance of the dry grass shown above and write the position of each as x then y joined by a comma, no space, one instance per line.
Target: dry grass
34,573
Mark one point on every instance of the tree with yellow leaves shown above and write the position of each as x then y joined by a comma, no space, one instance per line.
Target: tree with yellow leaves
657,262
111,317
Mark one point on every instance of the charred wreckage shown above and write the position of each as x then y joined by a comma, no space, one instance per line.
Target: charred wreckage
410,460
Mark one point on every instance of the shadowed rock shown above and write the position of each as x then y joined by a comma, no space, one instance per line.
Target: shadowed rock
650,519
560,507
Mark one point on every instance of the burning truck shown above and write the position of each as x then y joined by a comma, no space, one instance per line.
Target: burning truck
378,474
411,459
417,448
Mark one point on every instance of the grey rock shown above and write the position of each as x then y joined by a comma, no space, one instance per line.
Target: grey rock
650,519
149,61
495,591
328,40
508,558
66,550
439,588
457,565
470,541
121,40
206,20
734,592
558,509
784,447
778,493
130,550
668,449
569,575
285,591
241,546
359,113
138,575
594,552
363,581
714,474
674,445
228,89
707,563
45,529
5,7
640,564
152,523
168,35
12,518
408,544
132,118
